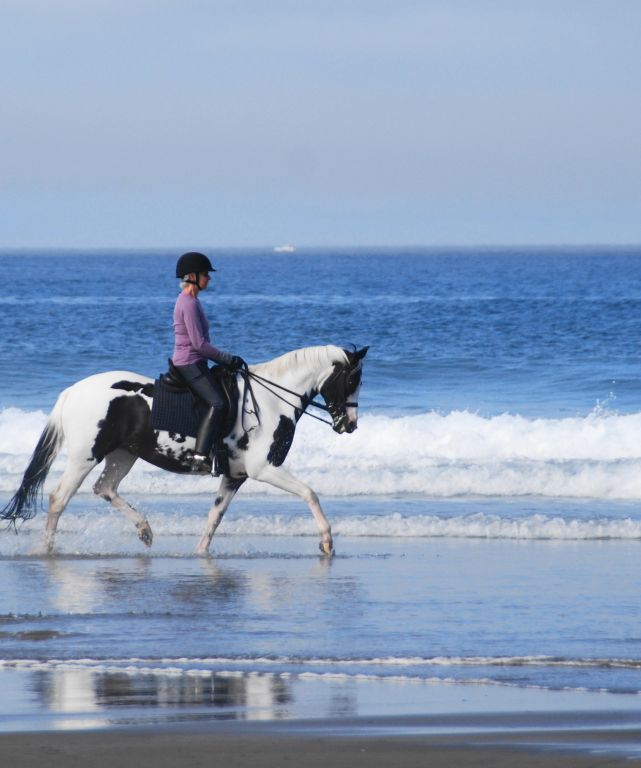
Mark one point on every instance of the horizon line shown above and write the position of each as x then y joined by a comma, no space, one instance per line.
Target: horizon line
309,247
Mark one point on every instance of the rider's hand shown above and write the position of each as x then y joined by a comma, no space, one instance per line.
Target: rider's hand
237,363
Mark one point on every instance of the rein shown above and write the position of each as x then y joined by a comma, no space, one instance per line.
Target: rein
305,401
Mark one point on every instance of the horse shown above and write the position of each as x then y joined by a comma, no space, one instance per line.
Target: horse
107,417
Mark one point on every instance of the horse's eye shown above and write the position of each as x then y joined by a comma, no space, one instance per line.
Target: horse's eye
352,382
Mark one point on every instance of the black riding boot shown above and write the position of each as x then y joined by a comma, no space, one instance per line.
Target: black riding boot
208,439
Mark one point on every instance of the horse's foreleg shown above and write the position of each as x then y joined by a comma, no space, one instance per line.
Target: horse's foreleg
117,465
226,492
280,478
75,472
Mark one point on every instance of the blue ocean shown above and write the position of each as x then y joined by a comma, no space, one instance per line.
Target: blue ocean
487,512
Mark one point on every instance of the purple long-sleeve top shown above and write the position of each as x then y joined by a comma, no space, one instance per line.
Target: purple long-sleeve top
191,329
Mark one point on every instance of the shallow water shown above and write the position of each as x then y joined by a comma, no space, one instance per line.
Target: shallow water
266,615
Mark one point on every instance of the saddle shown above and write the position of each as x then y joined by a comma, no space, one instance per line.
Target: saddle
179,410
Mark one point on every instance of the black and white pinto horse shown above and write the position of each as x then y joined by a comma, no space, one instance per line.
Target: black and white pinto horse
107,417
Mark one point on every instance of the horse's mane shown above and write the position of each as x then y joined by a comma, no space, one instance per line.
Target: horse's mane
312,357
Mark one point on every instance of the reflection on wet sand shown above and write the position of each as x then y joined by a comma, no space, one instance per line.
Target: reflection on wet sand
242,697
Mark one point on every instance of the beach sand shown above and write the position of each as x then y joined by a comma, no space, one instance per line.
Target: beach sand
256,747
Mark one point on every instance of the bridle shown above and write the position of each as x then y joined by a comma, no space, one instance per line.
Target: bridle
335,411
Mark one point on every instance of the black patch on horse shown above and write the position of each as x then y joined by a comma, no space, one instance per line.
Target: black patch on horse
134,386
282,442
243,442
126,425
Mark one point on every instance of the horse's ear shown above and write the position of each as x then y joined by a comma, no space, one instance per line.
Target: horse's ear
356,354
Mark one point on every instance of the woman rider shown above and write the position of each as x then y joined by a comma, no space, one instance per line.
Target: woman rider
192,350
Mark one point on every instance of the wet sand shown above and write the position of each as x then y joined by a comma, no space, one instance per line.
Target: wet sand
253,747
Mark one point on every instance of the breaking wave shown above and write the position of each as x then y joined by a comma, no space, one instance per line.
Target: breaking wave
457,454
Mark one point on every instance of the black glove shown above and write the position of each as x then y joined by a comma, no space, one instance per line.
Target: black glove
237,363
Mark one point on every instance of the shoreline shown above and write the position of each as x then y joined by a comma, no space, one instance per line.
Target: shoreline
317,744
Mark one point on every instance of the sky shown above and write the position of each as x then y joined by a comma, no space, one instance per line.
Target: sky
203,123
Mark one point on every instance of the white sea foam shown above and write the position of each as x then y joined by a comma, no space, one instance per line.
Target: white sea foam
439,455
397,525
103,531
142,664
391,670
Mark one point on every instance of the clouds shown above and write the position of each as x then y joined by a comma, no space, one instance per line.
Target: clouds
257,122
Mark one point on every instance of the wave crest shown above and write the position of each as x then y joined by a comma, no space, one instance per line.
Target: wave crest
430,454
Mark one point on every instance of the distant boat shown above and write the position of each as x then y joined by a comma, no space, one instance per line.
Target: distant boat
284,249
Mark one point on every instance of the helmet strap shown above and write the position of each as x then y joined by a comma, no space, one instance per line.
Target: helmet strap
196,289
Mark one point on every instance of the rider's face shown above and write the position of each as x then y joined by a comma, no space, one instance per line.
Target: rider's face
203,280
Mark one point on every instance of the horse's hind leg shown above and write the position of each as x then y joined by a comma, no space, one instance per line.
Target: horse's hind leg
117,464
280,478
226,492
75,472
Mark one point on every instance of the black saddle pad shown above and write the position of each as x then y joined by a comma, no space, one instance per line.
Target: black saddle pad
179,411
176,412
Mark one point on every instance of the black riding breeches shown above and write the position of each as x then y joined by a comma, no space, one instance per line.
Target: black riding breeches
200,380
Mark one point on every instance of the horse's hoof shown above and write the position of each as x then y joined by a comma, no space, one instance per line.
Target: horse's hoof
327,548
43,550
145,534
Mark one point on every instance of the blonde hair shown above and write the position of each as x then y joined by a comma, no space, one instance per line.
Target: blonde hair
184,283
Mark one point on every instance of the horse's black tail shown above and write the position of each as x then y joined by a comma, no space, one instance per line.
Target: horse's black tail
24,503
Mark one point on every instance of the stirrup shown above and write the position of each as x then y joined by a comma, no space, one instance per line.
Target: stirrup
201,464
221,461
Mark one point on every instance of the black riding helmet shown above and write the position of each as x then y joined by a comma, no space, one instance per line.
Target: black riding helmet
192,261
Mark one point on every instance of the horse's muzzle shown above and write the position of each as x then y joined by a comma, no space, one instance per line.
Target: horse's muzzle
344,425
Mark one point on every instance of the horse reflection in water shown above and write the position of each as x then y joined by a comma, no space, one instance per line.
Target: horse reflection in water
97,696
98,681
107,417
255,697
